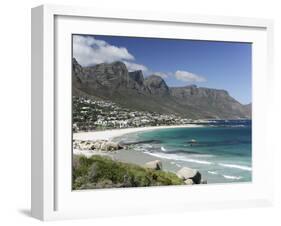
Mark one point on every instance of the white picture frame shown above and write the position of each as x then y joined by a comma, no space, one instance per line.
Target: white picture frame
52,197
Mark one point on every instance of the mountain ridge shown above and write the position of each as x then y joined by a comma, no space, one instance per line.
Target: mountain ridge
113,81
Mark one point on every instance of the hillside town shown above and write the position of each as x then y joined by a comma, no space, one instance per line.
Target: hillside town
91,114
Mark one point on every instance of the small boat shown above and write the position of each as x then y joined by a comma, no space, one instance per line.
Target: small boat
192,141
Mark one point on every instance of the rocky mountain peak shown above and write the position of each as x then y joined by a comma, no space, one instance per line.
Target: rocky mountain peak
74,61
77,70
137,76
116,68
156,85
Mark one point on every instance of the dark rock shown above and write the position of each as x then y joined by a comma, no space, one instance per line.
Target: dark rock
137,76
188,173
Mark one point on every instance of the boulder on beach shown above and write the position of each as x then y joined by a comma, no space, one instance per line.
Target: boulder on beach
188,173
108,146
189,182
86,145
96,145
103,146
100,145
112,146
156,165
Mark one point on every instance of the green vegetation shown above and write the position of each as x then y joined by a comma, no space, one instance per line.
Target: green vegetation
103,172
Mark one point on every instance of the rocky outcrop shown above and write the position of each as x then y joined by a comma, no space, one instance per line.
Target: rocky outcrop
156,165
136,82
137,76
187,173
99,145
156,85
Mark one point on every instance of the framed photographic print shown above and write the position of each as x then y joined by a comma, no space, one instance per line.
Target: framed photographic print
136,112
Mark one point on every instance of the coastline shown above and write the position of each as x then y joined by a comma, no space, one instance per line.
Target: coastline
111,134
128,156
214,170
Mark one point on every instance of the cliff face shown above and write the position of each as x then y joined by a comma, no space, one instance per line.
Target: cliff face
248,110
156,86
210,103
132,90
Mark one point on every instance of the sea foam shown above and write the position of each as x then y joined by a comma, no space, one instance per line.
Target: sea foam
212,172
232,177
178,158
247,168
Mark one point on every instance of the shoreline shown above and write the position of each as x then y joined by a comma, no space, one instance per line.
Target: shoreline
129,156
212,171
114,133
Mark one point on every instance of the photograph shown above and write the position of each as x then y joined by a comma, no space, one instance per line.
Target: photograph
149,111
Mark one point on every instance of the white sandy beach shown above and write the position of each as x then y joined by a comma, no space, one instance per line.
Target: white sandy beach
110,134
129,156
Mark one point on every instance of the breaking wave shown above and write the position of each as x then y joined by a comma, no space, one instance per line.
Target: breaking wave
177,158
247,168
232,177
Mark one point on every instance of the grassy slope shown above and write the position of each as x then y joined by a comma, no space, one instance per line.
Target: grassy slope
103,172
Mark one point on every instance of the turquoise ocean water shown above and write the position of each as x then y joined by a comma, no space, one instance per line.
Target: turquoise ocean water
222,151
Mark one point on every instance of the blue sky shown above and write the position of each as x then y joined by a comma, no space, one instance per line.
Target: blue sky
220,65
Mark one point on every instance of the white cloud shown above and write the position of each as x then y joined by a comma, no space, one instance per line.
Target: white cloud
189,77
161,74
89,51
135,67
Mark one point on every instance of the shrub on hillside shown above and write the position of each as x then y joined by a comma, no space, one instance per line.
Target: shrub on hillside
103,172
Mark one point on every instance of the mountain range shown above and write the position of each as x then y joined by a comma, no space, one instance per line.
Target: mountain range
113,81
